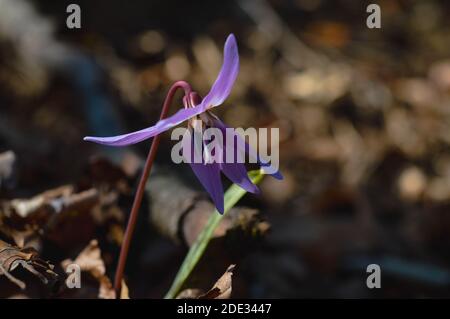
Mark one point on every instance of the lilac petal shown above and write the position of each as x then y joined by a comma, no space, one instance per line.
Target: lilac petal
218,93
227,75
238,174
209,177
207,173
138,136
241,145
263,164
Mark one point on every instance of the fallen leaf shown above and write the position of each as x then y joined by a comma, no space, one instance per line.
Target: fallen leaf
221,289
124,292
90,261
190,293
11,257
53,212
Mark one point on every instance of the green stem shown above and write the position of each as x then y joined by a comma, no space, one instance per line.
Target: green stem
232,196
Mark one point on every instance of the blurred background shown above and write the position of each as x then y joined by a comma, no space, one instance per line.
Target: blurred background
364,119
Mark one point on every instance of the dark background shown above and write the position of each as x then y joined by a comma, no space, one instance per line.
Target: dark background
364,118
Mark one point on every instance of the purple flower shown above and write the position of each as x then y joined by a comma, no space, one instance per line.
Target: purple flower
196,108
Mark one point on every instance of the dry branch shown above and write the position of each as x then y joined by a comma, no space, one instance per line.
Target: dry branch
181,213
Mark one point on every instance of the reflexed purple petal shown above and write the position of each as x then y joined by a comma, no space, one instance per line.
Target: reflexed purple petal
240,145
277,174
209,176
218,93
238,174
227,75
265,166
138,136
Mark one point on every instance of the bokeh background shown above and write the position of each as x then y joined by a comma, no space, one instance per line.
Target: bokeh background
364,119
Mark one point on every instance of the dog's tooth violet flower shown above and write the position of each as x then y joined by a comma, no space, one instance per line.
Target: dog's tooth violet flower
197,111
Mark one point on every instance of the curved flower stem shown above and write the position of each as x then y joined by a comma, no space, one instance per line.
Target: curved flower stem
140,190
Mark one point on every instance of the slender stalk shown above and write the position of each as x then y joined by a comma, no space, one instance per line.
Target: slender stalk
232,196
141,187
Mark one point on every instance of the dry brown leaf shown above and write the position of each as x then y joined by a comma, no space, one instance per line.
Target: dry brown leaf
20,218
52,215
221,289
90,261
51,202
11,257
124,292
190,293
